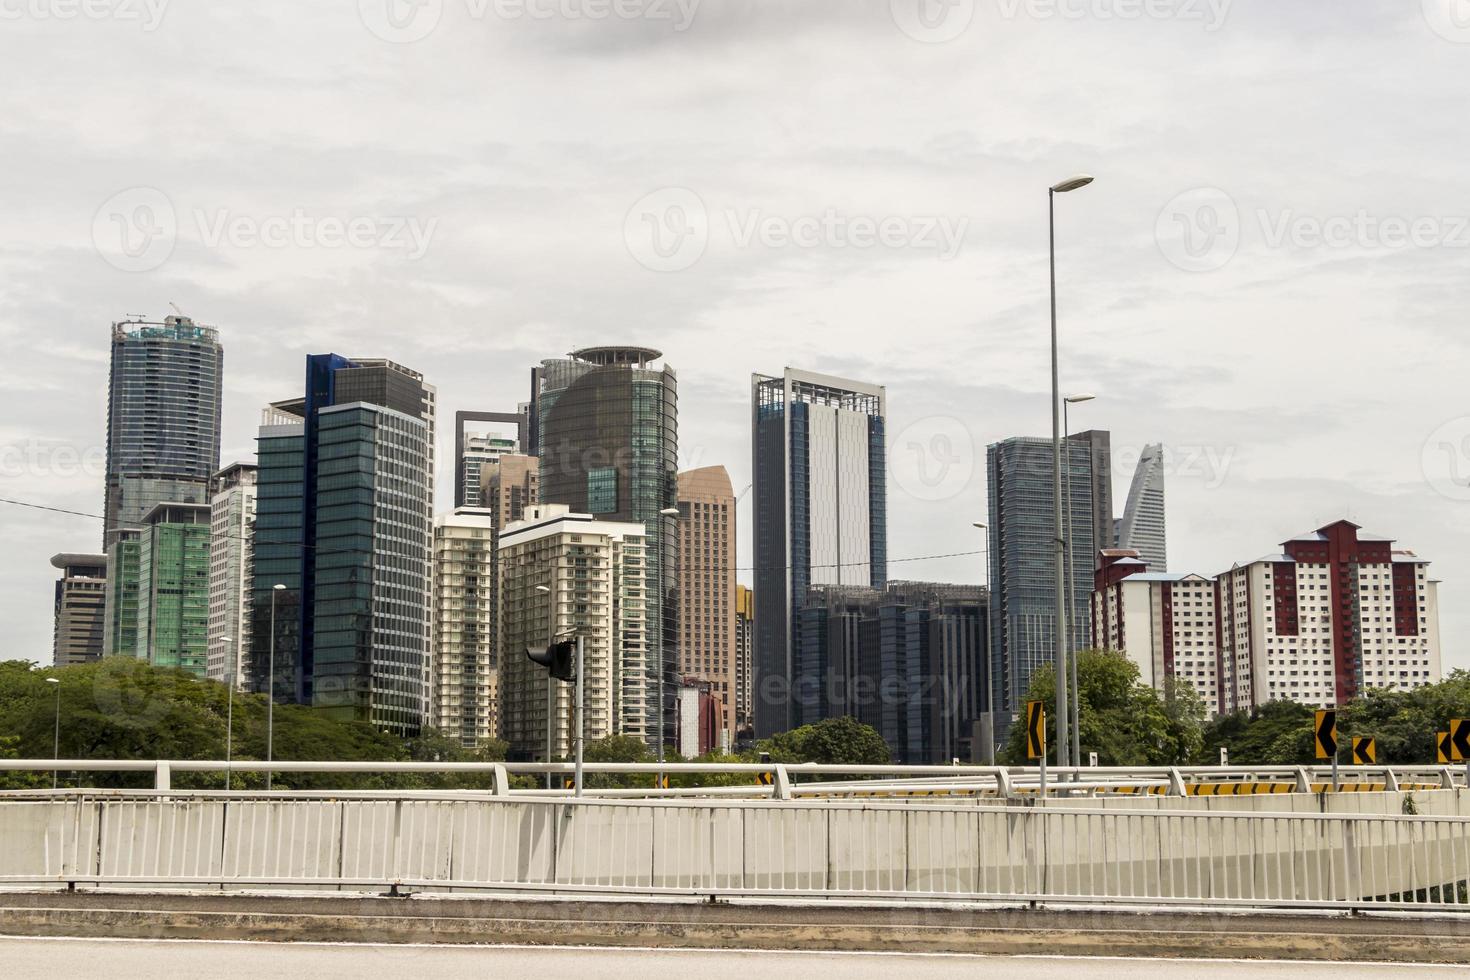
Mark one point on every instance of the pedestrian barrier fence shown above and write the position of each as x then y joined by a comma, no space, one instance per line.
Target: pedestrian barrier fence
1018,852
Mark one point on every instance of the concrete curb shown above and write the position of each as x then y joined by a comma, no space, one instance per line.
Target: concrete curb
727,926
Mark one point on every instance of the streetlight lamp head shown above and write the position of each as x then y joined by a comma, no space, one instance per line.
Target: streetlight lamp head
52,680
542,588
669,512
979,525
1071,183
1077,399
279,587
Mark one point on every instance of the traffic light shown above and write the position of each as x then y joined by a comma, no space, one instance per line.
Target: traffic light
560,659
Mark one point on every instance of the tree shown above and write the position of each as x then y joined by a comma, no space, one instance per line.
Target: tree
1126,722
831,741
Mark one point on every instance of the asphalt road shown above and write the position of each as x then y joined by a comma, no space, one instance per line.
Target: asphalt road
149,960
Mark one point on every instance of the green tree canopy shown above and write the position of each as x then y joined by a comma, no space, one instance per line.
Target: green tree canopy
832,741
1126,722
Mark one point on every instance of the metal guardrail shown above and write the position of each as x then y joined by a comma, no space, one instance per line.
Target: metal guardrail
439,842
790,781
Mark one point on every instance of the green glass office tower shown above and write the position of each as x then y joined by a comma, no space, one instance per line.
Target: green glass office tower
173,587
608,439
120,611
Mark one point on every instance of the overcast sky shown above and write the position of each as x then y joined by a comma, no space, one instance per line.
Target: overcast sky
1269,275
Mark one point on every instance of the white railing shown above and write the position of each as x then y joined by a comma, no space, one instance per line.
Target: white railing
1016,853
774,780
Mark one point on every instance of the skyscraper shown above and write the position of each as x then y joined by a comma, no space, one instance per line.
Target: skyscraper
173,587
80,594
564,575
608,436
464,622
820,513
505,434
163,418
744,652
120,610
344,521
706,572
1022,559
909,660
231,530
1142,526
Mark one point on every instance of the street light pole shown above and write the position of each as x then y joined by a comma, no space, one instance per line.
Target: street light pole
550,681
230,708
1071,577
270,692
1058,551
581,705
987,731
56,737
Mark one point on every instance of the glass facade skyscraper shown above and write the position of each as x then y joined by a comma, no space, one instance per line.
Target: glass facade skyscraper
344,522
1142,526
608,437
821,493
909,660
163,418
1022,551
173,587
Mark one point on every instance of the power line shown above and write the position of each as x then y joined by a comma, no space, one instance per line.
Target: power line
338,551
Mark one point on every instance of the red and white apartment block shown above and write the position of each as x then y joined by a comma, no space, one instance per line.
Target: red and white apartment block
1336,613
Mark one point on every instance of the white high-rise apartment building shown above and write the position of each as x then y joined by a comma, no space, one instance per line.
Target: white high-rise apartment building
1335,613
231,532
593,581
463,649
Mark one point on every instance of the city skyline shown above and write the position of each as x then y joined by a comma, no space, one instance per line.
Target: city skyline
1122,471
